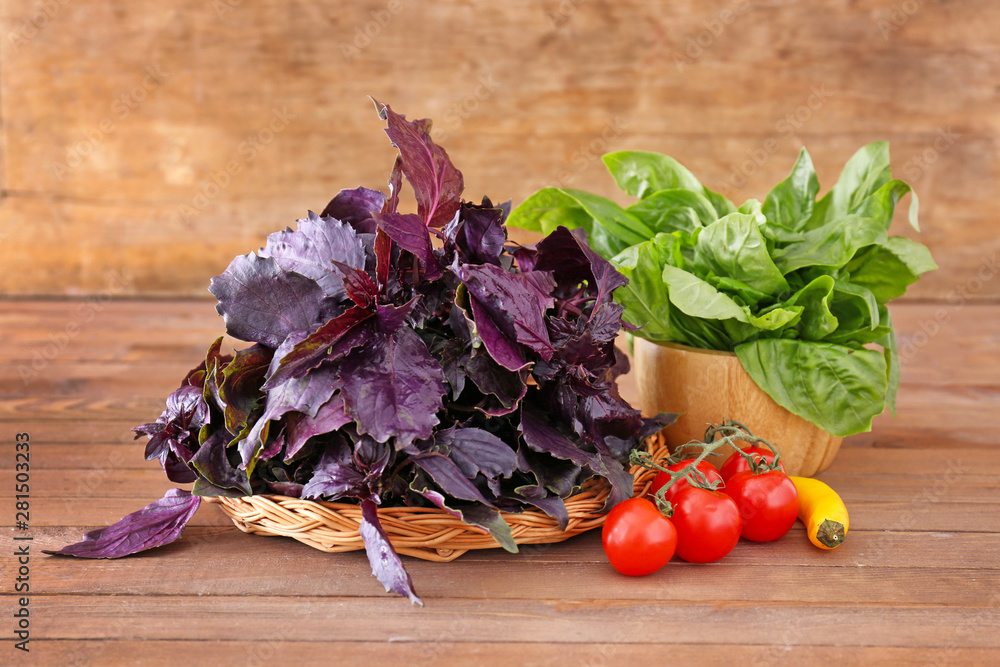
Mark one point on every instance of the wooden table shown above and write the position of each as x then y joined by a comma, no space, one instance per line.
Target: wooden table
917,581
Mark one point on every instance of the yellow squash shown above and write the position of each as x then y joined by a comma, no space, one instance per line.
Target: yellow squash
822,511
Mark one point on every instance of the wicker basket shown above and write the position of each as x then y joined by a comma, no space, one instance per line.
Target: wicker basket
425,533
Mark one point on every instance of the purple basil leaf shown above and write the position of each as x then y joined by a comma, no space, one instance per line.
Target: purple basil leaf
492,379
161,522
391,318
328,343
525,257
606,321
205,489
290,489
393,387
452,353
359,286
554,506
478,233
177,469
503,349
620,447
309,251
241,384
386,564
336,475
516,303
175,433
621,365
215,363
572,261
330,417
410,233
621,480
656,424
541,436
436,182
157,445
273,447
474,514
607,413
383,259
187,408
476,451
447,475
581,350
355,207
306,394
372,456
261,302
391,204
557,476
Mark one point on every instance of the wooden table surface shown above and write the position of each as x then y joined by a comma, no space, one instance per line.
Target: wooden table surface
917,581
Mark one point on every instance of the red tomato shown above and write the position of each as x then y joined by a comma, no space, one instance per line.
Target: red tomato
637,539
707,522
768,503
737,463
710,471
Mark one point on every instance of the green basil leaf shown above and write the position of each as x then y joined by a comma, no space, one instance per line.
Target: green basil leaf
656,209
854,306
858,337
883,274
609,227
732,287
817,321
862,176
832,245
887,270
914,255
881,205
891,352
708,334
547,209
733,246
753,208
643,173
777,318
697,298
612,217
645,296
721,205
791,202
838,389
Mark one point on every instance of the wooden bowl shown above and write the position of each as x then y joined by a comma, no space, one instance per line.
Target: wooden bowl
709,387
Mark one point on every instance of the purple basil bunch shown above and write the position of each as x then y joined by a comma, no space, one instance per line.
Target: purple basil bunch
413,359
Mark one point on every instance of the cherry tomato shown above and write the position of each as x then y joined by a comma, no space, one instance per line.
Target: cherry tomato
737,463
768,503
710,471
637,539
707,522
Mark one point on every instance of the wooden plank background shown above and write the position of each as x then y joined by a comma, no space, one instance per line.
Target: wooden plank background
145,143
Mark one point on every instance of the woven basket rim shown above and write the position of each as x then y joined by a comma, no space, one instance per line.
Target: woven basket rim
427,533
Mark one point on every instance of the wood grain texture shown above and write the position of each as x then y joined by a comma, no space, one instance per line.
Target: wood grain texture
431,654
538,620
157,140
